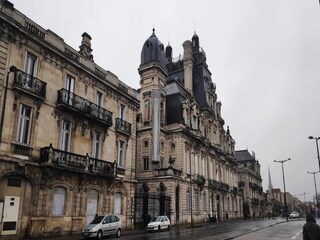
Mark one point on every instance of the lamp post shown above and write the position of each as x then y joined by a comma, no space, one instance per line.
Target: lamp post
315,189
316,138
11,69
191,191
284,186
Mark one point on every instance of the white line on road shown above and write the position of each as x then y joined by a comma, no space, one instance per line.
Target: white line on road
294,237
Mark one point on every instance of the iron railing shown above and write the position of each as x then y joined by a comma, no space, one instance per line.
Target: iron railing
29,84
76,162
123,126
86,107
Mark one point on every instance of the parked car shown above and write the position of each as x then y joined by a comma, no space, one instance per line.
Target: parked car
102,226
294,214
158,223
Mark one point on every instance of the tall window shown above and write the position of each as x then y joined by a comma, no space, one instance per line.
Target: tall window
117,203
147,110
96,144
122,112
145,163
210,170
196,164
188,200
69,86
31,64
196,201
59,198
194,122
188,161
204,202
203,167
24,124
65,136
99,99
121,153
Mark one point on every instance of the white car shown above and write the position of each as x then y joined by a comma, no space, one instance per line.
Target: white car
294,214
158,223
103,226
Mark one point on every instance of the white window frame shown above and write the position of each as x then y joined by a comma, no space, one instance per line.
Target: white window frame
24,124
117,203
58,201
66,134
121,153
31,64
97,143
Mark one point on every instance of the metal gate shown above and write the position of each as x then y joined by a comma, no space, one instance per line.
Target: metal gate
149,205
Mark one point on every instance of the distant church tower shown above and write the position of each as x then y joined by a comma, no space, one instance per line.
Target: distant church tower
270,183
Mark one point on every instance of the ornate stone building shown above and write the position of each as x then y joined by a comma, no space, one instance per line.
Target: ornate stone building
250,183
185,164
68,133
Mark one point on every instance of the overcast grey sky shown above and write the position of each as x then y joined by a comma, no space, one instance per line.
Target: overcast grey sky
264,56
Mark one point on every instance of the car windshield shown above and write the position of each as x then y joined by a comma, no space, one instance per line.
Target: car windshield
156,219
97,220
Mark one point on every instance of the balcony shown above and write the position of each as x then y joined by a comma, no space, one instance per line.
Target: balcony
84,108
29,85
169,171
77,163
123,126
218,185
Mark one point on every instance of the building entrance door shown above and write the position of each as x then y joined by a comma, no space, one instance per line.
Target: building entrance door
92,205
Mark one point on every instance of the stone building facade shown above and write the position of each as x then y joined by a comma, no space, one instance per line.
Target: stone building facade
68,133
250,182
185,157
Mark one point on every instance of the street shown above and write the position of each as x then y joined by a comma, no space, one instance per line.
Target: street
240,230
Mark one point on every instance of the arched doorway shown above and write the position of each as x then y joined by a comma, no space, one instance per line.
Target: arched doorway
16,194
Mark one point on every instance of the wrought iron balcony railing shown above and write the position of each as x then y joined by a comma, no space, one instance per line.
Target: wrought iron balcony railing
218,185
29,84
76,162
84,107
123,126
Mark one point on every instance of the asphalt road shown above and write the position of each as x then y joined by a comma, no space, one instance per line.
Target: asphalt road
220,231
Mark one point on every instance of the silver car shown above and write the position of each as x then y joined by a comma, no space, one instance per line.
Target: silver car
103,226
158,223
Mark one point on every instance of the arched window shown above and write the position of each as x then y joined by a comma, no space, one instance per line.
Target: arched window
117,203
58,202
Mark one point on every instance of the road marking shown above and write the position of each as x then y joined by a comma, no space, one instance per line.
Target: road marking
294,237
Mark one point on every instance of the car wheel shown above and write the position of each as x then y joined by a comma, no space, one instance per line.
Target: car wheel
99,234
168,227
118,233
159,229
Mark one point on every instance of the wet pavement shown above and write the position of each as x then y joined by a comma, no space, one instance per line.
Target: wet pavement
221,231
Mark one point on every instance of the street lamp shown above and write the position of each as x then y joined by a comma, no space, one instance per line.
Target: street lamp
284,186
11,69
316,138
315,188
